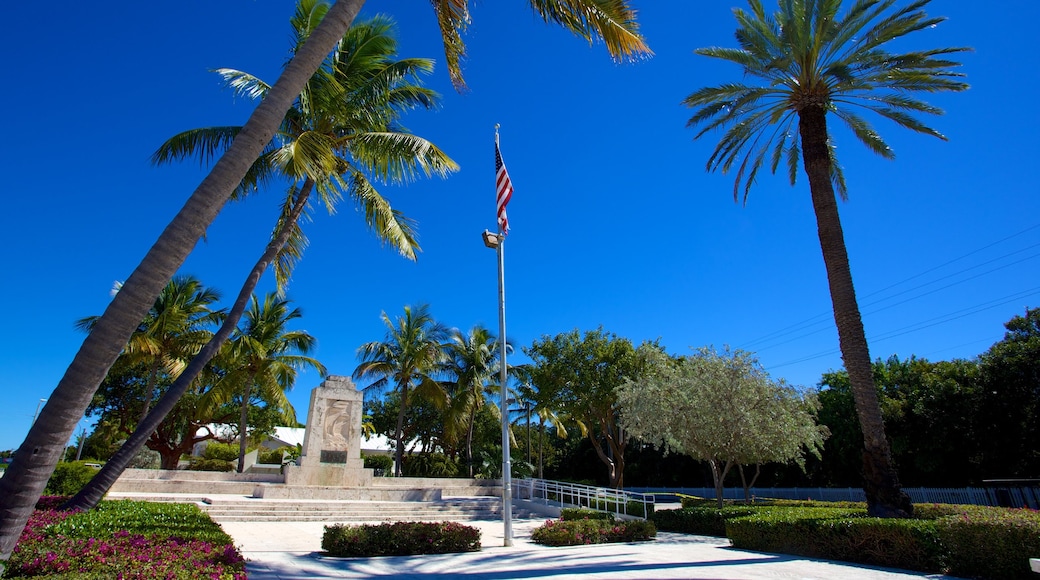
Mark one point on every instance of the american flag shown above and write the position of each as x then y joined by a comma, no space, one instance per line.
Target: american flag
503,190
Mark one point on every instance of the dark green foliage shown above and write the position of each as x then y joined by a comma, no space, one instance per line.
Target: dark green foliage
270,456
223,451
69,477
706,520
592,531
384,462
430,465
986,542
210,465
400,539
568,514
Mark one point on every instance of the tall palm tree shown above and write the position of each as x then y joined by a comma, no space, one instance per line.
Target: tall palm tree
264,359
813,61
342,127
407,358
34,461
472,358
175,330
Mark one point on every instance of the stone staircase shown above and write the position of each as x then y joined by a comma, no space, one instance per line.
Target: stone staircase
232,497
261,510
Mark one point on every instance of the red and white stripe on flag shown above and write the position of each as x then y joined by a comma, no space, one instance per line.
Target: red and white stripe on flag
503,190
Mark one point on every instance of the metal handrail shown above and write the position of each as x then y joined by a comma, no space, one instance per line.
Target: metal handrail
617,501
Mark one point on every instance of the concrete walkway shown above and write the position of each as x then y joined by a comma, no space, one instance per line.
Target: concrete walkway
291,551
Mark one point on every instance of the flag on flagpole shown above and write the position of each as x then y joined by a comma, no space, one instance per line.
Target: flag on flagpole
503,189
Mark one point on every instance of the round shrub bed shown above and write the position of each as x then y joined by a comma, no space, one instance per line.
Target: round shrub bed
603,530
399,539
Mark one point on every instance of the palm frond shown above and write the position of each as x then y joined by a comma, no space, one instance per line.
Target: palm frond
612,21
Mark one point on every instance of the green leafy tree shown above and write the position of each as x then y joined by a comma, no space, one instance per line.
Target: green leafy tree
264,358
614,22
1010,376
812,62
176,328
406,360
582,373
721,408
473,359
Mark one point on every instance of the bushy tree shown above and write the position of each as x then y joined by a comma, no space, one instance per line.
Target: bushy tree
719,407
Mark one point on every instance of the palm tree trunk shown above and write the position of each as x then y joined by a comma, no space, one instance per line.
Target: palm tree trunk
885,497
35,459
88,497
243,426
469,441
398,434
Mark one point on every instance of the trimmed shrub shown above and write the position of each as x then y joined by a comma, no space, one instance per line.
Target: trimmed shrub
839,534
222,451
210,465
69,477
584,514
383,462
269,456
703,520
399,539
989,542
592,531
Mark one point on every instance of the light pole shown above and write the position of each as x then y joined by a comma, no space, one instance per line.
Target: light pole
37,413
495,242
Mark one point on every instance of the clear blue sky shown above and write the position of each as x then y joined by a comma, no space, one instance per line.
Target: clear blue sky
615,221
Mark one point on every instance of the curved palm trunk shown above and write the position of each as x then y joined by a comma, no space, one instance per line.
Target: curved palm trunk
885,497
35,459
91,494
398,434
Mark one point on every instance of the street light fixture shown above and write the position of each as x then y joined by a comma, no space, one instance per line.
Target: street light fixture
37,413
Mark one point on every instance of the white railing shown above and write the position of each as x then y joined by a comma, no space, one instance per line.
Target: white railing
1009,496
563,494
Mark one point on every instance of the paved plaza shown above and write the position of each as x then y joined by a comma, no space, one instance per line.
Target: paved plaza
291,551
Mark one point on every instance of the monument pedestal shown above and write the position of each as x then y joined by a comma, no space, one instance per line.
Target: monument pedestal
331,454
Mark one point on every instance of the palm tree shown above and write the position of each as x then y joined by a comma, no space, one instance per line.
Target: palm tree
406,359
813,61
34,460
264,358
472,358
343,123
175,330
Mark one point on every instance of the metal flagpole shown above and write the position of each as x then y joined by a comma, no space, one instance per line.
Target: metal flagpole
497,241
507,484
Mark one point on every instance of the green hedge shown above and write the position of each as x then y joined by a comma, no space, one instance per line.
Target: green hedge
399,539
69,477
988,542
967,541
584,514
224,451
703,520
592,531
845,534
198,464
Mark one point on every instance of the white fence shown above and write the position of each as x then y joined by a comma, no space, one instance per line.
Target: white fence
616,501
1008,496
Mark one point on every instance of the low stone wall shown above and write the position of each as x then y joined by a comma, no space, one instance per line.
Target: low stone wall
185,475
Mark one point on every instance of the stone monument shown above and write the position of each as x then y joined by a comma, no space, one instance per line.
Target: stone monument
332,446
